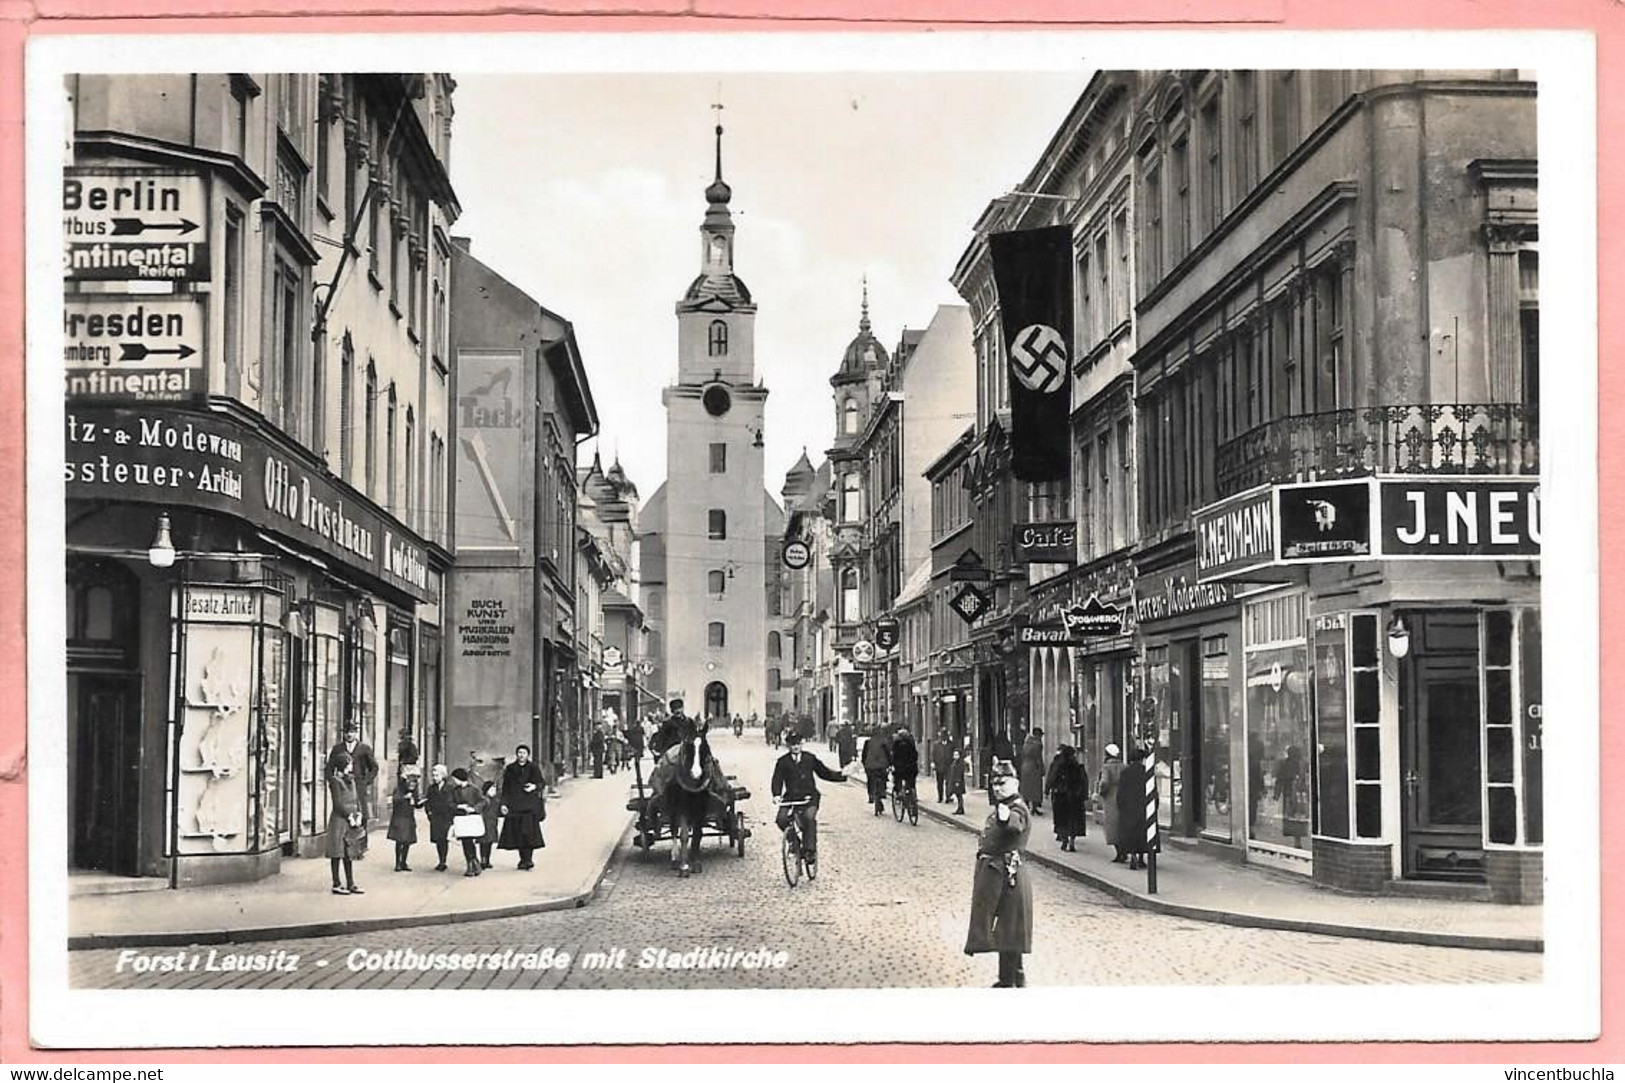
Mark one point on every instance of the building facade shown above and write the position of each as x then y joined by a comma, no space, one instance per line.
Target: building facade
258,411
523,406
1337,299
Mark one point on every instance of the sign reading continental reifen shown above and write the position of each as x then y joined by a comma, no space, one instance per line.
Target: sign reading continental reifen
182,459
133,346
1461,518
1235,535
122,225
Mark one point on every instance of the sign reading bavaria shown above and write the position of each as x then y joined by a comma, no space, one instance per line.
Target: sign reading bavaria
133,224
1461,518
1044,543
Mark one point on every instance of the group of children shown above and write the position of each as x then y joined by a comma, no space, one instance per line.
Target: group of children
458,806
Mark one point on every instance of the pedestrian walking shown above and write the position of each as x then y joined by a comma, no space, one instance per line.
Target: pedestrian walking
469,823
942,759
876,764
1068,787
1032,771
403,820
1131,821
1001,902
492,811
848,745
440,805
595,745
346,828
524,807
957,770
1111,772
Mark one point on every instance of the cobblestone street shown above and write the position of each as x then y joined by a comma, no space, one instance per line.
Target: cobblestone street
888,909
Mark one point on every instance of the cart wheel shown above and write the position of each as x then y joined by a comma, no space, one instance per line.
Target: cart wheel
739,834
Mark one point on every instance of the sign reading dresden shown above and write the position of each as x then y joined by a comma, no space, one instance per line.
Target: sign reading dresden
1236,535
133,346
128,224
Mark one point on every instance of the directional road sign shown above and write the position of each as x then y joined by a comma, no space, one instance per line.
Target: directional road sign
125,224
133,346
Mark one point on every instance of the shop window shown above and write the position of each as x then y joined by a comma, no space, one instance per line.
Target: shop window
1278,738
1500,730
1332,725
1530,700
1366,680
1217,718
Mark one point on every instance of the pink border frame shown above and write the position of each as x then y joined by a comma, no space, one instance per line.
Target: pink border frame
19,19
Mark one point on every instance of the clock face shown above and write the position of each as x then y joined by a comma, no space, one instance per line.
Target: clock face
717,400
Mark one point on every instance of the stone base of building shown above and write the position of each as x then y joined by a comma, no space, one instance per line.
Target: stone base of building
202,870
1515,876
1365,867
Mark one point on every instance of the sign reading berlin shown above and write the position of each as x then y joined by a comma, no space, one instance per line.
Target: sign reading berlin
119,225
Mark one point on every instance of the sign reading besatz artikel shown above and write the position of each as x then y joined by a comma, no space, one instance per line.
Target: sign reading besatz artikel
121,225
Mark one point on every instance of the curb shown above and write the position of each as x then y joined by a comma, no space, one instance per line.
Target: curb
1135,900
102,941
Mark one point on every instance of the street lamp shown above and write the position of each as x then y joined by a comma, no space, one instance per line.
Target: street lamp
1399,638
161,554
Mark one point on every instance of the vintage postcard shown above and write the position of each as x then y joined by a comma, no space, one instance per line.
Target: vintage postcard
962,537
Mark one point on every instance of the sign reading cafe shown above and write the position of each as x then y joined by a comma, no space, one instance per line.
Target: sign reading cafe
215,463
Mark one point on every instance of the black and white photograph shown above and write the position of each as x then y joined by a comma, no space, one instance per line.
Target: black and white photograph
812,538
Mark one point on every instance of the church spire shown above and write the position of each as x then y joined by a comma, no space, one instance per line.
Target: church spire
863,322
718,193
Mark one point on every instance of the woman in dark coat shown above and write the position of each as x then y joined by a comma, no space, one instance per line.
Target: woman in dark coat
523,806
441,805
1001,902
1068,789
1110,773
403,820
346,830
469,802
1032,771
1131,825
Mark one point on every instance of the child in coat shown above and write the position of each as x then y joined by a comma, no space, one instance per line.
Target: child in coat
493,809
403,821
956,780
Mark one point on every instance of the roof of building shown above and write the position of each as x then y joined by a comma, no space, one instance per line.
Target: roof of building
918,582
864,353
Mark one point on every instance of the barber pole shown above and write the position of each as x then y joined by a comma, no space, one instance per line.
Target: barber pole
1151,828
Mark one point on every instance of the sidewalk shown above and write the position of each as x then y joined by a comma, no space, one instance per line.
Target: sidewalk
584,826
1201,887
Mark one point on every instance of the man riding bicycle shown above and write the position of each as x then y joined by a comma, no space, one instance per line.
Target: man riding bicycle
905,762
795,778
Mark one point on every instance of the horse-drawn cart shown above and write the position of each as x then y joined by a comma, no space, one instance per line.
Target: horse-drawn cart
722,817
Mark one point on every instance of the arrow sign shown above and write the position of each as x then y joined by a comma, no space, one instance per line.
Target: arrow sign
135,351
129,227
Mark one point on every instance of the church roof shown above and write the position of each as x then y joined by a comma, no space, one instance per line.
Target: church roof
728,289
618,478
596,485
802,469
864,353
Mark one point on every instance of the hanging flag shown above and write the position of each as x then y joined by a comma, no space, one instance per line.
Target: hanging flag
1032,270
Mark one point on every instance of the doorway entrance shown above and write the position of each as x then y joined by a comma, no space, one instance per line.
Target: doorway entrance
107,763
716,700
1441,762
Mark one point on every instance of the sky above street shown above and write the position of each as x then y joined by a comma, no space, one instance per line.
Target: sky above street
586,191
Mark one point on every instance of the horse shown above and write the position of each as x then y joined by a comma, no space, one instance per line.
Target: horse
686,798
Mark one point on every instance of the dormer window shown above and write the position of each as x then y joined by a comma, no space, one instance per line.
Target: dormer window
717,345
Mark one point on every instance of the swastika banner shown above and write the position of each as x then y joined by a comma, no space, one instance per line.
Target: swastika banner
1032,270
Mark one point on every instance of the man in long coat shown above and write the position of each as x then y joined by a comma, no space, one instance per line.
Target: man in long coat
876,764
1032,771
523,807
942,758
1001,901
1131,821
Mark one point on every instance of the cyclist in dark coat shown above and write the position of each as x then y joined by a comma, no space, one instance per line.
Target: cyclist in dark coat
795,777
905,761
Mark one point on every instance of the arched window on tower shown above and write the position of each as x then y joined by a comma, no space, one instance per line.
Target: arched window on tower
773,645
851,497
718,344
849,417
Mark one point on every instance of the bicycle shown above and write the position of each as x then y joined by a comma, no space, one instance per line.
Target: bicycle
794,858
905,801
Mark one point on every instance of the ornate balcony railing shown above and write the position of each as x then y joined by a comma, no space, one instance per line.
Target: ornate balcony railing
1425,438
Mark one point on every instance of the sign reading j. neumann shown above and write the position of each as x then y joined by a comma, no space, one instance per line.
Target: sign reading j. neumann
1236,535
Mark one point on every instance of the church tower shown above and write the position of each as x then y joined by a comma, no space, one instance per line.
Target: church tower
716,508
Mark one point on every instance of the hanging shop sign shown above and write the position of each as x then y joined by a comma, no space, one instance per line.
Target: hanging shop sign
970,603
1324,520
1177,594
1078,624
196,460
1044,543
863,652
133,347
796,555
1460,519
124,225
969,569
887,634
1236,535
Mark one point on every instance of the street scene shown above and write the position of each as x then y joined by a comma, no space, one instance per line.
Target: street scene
1113,558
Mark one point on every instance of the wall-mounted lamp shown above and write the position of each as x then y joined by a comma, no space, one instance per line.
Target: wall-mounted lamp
758,441
1399,638
162,552
364,625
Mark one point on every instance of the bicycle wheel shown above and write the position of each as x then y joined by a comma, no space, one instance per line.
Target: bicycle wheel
898,806
790,849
